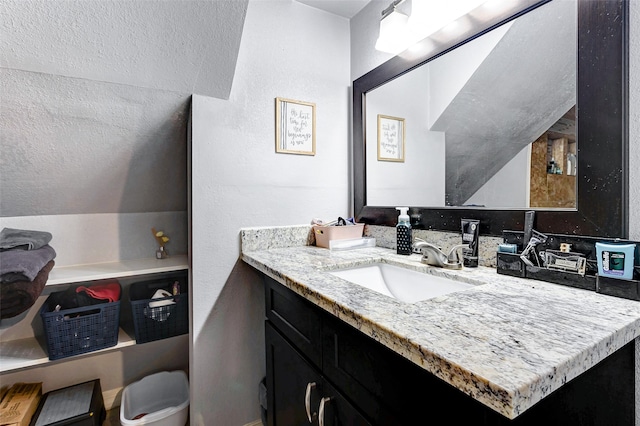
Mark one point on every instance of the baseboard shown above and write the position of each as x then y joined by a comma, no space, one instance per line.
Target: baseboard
112,398
255,423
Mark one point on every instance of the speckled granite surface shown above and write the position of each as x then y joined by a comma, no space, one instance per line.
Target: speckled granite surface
386,237
276,237
506,342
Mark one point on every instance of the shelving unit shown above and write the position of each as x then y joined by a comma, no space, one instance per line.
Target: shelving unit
26,353
20,354
122,269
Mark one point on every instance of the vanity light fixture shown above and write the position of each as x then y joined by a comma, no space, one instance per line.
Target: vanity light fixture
394,32
427,17
398,31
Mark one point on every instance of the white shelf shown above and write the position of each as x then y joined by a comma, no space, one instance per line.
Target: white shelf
120,269
26,353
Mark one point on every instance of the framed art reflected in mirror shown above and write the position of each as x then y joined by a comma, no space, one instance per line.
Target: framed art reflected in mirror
391,133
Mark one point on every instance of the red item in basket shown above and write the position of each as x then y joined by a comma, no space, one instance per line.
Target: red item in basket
109,291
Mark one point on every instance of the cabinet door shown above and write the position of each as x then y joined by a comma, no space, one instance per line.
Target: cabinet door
335,410
295,318
289,376
296,392
386,387
372,375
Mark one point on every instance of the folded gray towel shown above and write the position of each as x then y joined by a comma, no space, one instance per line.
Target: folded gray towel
28,263
23,239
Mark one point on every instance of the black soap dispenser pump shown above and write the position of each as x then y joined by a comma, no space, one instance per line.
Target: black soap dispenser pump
403,232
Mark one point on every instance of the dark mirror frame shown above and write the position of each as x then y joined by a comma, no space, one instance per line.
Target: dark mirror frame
602,132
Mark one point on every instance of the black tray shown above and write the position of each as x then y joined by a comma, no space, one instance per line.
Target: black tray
75,411
511,264
627,289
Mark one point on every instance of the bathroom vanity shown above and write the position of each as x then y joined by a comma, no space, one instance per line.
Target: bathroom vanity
505,351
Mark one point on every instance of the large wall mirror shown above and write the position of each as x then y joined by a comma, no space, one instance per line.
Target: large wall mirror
524,110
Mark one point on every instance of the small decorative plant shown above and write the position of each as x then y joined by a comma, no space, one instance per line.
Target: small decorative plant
161,239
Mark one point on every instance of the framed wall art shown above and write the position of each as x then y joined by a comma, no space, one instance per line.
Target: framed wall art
390,138
295,127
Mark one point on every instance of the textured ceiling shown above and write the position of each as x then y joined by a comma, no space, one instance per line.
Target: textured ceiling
165,45
95,99
75,146
346,8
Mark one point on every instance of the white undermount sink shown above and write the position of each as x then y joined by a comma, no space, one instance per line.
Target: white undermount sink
400,283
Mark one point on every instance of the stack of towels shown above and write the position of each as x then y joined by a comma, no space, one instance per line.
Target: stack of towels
26,258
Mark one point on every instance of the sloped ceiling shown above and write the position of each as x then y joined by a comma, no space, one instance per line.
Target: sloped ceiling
182,46
501,109
346,8
94,100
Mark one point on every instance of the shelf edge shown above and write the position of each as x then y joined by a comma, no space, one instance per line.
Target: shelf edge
120,269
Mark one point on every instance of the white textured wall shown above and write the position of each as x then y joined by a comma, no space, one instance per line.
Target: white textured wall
509,187
288,50
95,97
106,237
76,146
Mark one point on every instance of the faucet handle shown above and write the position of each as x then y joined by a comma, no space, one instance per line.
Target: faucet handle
453,253
417,244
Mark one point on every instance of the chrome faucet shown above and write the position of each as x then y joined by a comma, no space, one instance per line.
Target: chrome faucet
432,255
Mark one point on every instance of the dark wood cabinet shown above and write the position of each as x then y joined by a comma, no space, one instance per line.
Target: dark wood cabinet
298,394
289,375
312,355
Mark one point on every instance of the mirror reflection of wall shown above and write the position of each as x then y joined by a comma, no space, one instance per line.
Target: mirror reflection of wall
420,178
472,117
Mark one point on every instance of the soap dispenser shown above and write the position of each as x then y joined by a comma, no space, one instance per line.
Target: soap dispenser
403,232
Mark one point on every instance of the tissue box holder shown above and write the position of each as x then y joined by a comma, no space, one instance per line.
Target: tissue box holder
324,234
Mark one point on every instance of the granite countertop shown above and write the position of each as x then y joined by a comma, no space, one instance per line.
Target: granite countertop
507,342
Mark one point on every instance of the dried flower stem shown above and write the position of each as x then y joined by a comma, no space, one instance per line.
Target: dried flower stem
160,237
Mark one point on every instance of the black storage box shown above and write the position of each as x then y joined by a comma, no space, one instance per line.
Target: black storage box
77,405
79,330
510,264
160,318
627,289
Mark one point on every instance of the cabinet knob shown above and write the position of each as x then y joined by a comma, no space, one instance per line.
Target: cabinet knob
323,401
307,401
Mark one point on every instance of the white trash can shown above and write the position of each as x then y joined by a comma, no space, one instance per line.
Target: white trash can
160,399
